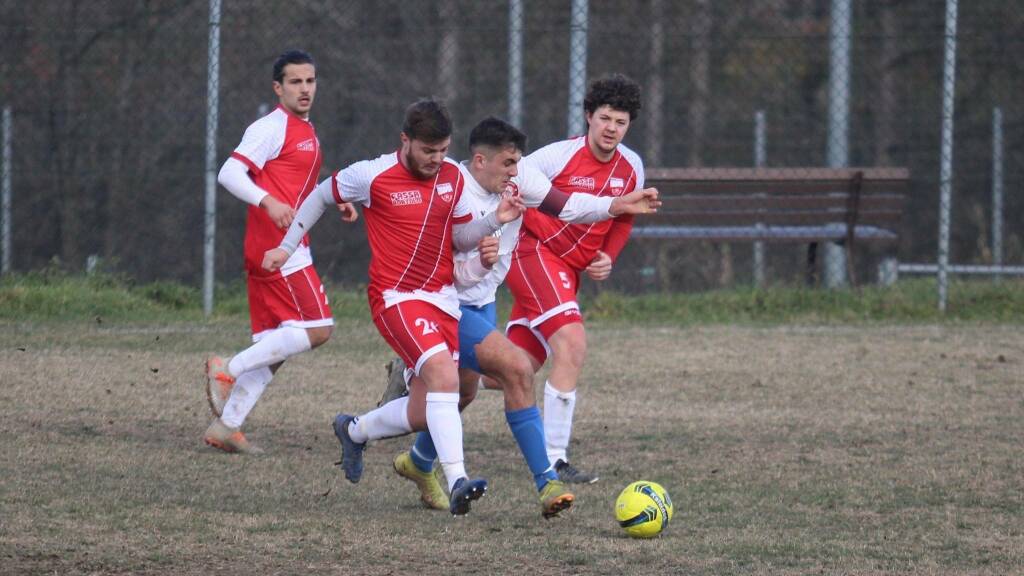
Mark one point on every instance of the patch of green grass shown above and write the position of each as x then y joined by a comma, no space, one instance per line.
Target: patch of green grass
51,294
54,295
910,301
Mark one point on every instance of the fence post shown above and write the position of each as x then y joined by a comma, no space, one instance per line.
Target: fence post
997,189
946,155
515,63
5,191
760,149
212,95
840,32
577,65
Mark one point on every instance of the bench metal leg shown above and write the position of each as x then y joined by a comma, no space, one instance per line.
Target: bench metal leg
812,264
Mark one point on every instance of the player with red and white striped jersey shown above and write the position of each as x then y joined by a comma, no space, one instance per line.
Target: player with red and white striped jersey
551,254
409,199
273,169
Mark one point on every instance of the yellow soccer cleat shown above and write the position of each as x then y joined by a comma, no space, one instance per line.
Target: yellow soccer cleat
431,493
554,498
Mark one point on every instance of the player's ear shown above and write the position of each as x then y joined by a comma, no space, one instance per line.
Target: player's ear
278,89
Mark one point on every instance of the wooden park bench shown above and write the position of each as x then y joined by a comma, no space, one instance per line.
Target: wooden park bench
795,205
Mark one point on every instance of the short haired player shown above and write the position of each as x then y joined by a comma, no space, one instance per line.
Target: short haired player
273,169
411,201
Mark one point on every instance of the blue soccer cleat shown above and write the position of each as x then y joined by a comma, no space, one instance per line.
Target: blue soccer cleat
351,451
464,492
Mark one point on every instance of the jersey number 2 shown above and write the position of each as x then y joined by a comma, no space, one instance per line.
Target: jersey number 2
427,326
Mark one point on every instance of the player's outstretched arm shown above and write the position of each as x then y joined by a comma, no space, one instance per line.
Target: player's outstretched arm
636,202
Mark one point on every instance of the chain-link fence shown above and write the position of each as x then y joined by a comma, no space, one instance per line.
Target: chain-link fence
108,107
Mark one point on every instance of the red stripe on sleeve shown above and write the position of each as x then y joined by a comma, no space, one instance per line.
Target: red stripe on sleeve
463,219
334,189
249,163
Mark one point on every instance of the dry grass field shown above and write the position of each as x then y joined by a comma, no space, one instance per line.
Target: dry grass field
787,450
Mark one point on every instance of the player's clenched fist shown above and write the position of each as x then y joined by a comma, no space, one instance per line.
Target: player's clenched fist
348,212
280,213
273,259
600,267
636,202
488,248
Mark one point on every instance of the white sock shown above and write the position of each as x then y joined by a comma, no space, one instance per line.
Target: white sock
558,409
387,421
445,426
247,390
271,349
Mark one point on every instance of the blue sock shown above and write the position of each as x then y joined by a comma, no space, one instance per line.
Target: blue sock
528,429
423,452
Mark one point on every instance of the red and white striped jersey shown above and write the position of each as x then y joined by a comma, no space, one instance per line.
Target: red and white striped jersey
409,225
283,155
572,167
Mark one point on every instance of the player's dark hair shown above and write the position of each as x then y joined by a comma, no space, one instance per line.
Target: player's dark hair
290,57
617,91
496,133
427,121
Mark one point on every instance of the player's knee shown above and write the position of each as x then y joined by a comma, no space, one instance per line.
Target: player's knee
520,372
572,349
318,336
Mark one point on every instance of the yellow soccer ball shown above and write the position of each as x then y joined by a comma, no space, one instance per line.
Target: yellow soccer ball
643,509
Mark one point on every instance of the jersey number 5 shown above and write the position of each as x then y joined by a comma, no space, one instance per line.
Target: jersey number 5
565,280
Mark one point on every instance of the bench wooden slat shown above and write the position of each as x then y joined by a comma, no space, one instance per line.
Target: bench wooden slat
777,202
672,187
771,234
793,174
751,217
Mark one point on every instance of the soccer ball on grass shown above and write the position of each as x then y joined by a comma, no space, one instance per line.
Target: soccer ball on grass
643,509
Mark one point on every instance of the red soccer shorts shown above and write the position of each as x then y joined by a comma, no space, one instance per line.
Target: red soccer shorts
417,330
297,299
544,288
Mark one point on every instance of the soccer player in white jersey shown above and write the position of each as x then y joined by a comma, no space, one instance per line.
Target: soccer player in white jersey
410,198
545,272
273,169
494,170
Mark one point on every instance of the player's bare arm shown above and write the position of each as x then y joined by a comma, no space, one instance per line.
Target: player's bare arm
636,202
